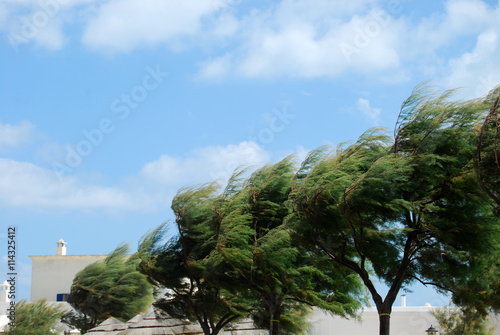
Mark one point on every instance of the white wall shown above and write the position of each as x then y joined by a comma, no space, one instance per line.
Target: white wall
404,321
54,274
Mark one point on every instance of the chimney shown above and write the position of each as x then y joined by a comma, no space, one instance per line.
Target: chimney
403,300
61,248
4,289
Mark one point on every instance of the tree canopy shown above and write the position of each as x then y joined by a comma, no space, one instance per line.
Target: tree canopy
196,287
488,148
462,321
112,287
256,241
234,256
420,205
36,318
405,209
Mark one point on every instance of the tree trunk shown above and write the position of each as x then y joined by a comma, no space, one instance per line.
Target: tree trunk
385,323
206,328
274,328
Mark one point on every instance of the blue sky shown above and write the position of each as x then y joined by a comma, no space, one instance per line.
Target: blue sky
108,107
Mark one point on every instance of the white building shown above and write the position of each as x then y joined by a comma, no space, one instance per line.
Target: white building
4,304
52,276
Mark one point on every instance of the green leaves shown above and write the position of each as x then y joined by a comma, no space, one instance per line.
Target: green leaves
190,265
112,287
256,240
488,148
36,318
235,255
407,210
403,209
462,321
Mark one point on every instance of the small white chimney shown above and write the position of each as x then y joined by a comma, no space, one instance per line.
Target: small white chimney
403,300
61,248
4,292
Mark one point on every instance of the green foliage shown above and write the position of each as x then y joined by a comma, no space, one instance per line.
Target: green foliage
406,210
198,288
256,241
293,319
410,208
235,256
112,287
36,318
488,148
462,321
480,289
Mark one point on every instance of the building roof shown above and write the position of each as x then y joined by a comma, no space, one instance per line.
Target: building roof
111,326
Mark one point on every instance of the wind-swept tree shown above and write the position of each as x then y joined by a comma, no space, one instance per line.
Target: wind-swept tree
36,318
112,287
402,210
462,321
488,148
255,240
234,256
480,290
196,287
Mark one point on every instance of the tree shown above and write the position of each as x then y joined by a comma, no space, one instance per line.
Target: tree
196,287
234,256
255,240
112,287
481,290
36,318
402,210
462,321
488,148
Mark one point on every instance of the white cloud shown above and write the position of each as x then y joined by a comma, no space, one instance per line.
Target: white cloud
291,38
51,36
205,164
26,185
29,186
371,113
123,25
297,38
13,136
461,18
458,48
216,68
477,72
40,22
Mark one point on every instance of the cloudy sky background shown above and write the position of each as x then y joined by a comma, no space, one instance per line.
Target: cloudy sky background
107,108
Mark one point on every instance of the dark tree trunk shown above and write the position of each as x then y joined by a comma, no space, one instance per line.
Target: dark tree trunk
274,328
385,324
274,302
206,328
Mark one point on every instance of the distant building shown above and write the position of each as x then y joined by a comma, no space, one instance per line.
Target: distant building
4,304
52,276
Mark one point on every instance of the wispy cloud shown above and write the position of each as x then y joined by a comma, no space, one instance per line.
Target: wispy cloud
154,22
463,22
26,185
300,39
372,114
287,38
14,136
